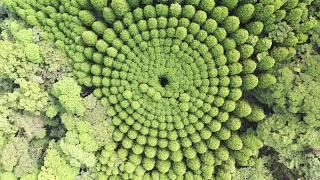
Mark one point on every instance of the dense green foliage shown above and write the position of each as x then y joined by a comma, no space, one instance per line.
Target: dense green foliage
179,89
25,77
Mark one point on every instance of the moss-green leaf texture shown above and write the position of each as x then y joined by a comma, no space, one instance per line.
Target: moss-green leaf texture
172,75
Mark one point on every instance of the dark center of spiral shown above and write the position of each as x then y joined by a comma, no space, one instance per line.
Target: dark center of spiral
164,81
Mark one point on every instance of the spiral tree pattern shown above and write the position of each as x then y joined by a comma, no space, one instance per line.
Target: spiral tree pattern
171,74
